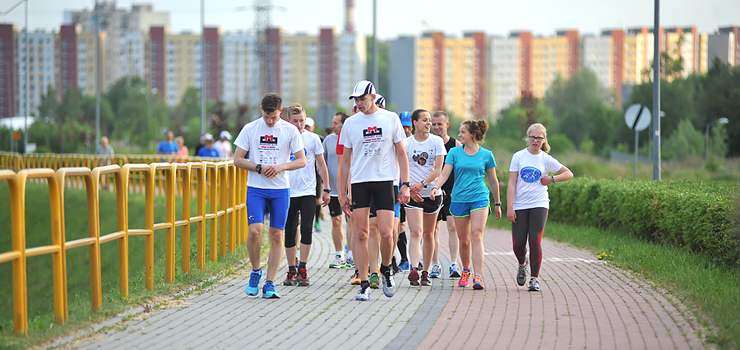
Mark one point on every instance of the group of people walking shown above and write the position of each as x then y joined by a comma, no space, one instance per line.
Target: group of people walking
379,170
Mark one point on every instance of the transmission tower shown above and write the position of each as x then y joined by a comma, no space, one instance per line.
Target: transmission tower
266,54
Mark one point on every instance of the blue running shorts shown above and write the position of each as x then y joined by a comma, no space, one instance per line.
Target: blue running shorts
259,198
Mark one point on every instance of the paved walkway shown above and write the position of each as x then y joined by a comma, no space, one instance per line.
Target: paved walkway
584,303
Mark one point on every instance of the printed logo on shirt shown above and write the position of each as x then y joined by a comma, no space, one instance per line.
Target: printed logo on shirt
372,131
269,139
530,174
420,158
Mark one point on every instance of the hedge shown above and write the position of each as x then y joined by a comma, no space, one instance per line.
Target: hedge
700,215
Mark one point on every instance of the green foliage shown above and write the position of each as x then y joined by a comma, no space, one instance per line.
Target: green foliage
695,214
686,141
384,68
508,132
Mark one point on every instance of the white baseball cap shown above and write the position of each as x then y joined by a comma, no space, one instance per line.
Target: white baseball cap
225,135
363,88
380,100
309,121
206,137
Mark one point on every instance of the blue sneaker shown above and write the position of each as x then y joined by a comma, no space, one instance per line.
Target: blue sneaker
254,282
404,266
436,271
317,226
268,291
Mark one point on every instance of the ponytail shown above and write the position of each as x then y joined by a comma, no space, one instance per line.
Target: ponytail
478,128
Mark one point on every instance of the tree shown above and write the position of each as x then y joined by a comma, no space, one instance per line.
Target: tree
70,112
718,96
384,68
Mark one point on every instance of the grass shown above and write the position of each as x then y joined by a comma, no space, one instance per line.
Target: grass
710,287
42,327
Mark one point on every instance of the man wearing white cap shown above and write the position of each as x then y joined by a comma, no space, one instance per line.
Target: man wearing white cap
224,146
373,143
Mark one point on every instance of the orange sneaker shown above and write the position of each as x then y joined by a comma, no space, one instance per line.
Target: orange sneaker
464,279
478,282
356,279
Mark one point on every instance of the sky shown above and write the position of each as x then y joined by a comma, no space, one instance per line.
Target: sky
412,17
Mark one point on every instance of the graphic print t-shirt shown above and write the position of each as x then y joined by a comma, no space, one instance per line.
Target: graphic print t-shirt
421,159
372,138
332,162
303,180
269,146
530,193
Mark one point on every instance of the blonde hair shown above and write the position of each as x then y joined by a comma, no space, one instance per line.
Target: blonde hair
179,140
294,109
537,126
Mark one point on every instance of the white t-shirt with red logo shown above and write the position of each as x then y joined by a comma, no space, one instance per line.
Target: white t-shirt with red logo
372,138
269,146
421,159
303,180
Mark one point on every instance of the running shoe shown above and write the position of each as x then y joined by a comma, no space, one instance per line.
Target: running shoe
522,272
534,286
364,294
350,263
425,281
436,271
355,279
414,277
291,279
454,270
339,262
253,287
317,226
303,277
404,265
420,266
464,279
389,285
268,291
374,280
478,282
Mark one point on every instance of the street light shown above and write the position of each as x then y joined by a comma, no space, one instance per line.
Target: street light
28,75
145,92
709,125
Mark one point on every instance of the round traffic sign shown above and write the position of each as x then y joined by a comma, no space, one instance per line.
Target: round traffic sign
637,117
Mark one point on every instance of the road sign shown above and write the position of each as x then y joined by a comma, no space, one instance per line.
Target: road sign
637,117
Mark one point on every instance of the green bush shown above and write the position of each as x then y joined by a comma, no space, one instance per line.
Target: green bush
696,214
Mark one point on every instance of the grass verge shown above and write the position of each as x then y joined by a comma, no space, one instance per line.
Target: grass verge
696,279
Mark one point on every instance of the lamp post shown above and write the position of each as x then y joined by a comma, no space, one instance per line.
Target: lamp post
27,73
709,125
145,92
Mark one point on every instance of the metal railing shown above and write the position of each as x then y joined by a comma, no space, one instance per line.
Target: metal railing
218,186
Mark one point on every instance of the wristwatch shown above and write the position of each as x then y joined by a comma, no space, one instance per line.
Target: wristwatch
407,184
327,190
424,182
258,168
498,204
553,179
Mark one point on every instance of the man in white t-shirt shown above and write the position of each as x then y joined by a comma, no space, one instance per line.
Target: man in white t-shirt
269,141
373,146
223,146
303,198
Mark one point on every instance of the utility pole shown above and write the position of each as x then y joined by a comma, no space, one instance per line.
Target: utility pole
97,72
28,82
202,68
375,43
656,93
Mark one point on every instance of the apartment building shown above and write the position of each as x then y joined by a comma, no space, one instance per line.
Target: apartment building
240,68
436,72
7,71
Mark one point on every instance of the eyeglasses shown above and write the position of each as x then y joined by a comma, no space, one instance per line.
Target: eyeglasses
536,138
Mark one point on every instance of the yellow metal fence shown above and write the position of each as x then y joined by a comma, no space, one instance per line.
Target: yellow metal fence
219,187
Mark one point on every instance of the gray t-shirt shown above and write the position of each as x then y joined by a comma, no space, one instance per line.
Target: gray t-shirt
106,152
330,154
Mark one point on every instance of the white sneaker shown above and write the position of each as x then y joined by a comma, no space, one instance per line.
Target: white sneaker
338,262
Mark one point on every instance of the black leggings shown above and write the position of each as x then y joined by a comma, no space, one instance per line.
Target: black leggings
530,223
306,205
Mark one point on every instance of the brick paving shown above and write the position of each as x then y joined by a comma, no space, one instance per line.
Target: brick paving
584,304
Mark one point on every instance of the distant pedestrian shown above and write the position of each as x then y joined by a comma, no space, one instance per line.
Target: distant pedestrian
269,141
528,202
208,150
183,152
104,148
471,164
335,210
223,146
168,146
